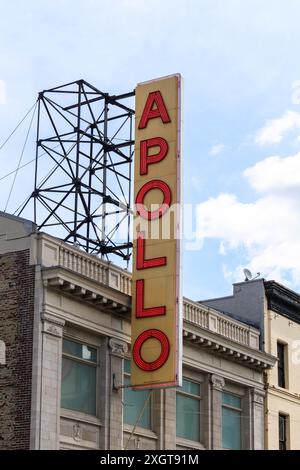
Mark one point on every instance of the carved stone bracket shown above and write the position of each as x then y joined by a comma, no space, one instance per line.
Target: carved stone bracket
217,382
52,325
257,396
118,347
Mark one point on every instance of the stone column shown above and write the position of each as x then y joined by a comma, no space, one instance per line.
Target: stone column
117,349
217,384
104,386
257,402
169,418
247,422
206,424
51,360
158,417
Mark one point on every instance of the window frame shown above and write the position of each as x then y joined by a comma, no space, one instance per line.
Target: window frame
282,377
194,397
88,362
285,418
233,408
150,400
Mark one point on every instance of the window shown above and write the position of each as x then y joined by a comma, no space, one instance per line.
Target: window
282,431
134,401
78,384
188,406
281,348
231,421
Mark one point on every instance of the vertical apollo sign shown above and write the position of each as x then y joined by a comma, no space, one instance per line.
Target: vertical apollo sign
156,299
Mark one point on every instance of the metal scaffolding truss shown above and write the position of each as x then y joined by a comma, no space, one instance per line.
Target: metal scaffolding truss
85,137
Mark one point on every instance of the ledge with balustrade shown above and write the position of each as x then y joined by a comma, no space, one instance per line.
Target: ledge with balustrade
221,324
80,274
206,328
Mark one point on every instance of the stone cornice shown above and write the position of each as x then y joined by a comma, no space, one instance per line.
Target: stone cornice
229,349
208,318
86,290
284,394
282,300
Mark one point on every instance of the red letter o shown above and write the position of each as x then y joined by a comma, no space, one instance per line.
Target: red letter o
162,358
164,206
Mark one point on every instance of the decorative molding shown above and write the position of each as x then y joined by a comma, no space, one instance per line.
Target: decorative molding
233,351
258,396
217,322
77,286
77,432
52,325
283,301
52,319
52,330
118,348
217,382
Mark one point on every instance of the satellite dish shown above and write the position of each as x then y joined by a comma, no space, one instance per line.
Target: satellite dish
249,276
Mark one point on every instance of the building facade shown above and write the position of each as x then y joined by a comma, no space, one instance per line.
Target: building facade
275,311
65,360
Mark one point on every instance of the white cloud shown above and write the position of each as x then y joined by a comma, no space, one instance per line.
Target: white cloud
2,92
275,129
267,229
216,149
275,174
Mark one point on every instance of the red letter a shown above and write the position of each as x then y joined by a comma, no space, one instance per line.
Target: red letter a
149,113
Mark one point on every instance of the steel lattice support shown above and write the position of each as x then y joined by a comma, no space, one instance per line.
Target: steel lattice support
85,139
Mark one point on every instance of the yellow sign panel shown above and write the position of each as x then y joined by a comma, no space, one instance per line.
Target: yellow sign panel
156,300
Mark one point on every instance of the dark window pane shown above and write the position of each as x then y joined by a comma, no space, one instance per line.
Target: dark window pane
78,390
126,366
187,417
134,402
231,429
79,350
281,364
231,400
190,387
282,432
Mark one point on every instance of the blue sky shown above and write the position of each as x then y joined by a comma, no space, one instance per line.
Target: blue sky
239,60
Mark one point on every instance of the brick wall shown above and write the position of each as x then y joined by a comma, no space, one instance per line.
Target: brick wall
16,330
